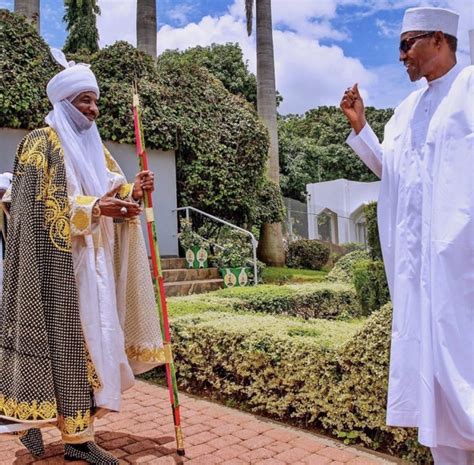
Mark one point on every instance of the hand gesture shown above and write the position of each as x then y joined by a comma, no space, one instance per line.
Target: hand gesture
111,206
144,181
352,106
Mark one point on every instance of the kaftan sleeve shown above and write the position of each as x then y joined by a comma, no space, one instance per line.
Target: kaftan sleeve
368,148
82,214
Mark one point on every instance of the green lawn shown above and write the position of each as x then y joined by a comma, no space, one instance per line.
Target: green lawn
274,275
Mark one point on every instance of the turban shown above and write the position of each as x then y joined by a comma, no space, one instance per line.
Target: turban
430,19
71,81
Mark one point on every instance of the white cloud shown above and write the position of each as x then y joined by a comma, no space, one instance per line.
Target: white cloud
117,21
180,13
387,29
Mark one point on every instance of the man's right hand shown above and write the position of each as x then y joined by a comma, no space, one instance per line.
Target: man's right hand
352,106
111,206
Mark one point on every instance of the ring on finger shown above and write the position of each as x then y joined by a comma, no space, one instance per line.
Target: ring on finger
123,210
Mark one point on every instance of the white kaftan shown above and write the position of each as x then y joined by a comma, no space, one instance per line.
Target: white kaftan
425,216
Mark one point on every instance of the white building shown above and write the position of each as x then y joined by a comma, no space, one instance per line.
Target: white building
336,210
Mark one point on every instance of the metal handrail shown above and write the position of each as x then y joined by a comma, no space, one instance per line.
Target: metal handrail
243,231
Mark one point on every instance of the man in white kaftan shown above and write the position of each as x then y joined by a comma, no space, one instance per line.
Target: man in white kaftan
426,225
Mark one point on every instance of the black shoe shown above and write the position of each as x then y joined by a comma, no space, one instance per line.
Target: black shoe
90,452
32,439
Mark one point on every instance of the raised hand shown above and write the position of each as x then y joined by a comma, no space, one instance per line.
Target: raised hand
352,106
111,206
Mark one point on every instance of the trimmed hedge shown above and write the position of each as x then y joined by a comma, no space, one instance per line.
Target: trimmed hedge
371,285
276,366
343,270
318,373
315,300
307,253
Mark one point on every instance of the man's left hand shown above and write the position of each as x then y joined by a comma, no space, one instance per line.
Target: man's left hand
144,181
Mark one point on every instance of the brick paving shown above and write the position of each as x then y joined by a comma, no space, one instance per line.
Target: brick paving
143,433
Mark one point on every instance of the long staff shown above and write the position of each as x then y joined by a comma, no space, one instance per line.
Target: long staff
158,282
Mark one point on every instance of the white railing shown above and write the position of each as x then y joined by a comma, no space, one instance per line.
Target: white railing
243,231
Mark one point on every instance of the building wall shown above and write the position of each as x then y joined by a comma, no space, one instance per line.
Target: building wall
342,197
163,164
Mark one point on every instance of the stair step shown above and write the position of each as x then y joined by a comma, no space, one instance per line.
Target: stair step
173,263
190,274
182,288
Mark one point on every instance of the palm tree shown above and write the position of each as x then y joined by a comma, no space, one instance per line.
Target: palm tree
146,26
30,9
270,245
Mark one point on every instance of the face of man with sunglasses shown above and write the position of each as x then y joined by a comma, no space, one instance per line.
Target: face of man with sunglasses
424,54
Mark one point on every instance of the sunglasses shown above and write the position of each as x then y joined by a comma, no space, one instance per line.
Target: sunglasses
407,44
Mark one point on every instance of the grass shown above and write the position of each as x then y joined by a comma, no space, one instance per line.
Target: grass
274,275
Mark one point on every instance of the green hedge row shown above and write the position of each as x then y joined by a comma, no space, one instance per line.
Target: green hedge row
343,270
315,300
317,373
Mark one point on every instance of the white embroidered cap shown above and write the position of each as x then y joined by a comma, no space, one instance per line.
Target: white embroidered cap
430,19
72,81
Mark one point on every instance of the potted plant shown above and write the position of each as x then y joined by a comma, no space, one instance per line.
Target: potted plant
195,247
232,261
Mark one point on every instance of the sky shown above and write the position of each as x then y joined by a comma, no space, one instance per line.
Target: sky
321,46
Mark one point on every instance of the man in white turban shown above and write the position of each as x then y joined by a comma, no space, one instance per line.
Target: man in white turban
78,312
426,224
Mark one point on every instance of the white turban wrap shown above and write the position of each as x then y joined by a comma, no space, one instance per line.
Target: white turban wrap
83,150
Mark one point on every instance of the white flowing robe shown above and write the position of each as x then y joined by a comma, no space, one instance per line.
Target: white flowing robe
426,226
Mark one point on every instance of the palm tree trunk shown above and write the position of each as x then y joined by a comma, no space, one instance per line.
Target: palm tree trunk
270,246
146,26
30,9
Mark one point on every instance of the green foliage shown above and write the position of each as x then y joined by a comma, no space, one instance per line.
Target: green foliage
307,253
313,148
81,24
25,68
225,62
343,270
188,237
371,285
269,207
315,300
353,246
236,251
370,211
275,275
316,373
220,144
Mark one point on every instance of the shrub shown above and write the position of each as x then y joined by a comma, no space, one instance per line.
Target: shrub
306,253
316,300
317,373
370,211
343,270
353,246
371,285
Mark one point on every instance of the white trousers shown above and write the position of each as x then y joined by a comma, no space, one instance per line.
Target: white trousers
444,455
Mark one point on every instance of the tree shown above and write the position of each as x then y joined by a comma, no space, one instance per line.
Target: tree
270,245
81,24
225,62
30,9
146,26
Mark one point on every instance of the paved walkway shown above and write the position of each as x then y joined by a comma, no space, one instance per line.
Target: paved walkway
143,434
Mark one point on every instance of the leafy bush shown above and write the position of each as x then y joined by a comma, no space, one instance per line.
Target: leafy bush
316,300
370,211
317,373
343,270
306,253
353,246
371,285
